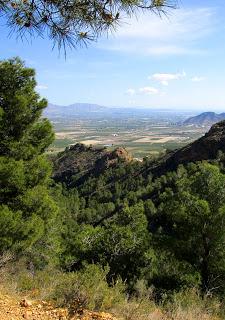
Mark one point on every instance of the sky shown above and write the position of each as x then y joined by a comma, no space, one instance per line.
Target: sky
174,62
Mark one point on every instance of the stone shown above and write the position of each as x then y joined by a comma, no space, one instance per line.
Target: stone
25,303
27,314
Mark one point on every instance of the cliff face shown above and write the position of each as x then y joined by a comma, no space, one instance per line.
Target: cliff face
78,162
205,148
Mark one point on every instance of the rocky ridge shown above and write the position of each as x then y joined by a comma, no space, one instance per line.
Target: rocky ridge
83,161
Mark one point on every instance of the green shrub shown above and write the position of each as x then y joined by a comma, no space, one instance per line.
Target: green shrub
192,302
88,289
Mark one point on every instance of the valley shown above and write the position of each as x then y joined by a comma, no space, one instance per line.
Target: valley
88,228
143,132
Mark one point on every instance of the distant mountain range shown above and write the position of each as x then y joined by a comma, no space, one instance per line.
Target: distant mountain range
205,119
73,109
95,111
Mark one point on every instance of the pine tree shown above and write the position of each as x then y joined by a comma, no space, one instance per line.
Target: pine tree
27,210
72,22
191,232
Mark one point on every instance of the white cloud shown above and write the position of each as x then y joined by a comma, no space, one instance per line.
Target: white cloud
178,34
164,78
148,90
130,92
42,87
197,79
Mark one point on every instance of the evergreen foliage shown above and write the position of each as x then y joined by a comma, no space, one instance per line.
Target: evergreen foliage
192,226
27,209
168,231
72,22
165,232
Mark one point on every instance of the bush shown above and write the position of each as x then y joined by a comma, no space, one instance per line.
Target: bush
88,289
190,304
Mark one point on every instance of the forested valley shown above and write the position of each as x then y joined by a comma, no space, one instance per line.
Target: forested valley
91,227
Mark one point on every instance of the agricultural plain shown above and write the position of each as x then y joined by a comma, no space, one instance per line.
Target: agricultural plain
142,134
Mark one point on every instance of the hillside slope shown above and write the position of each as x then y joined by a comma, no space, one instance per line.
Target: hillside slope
78,162
205,148
205,119
12,308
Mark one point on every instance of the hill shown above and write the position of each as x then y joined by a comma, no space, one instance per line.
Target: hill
205,119
78,162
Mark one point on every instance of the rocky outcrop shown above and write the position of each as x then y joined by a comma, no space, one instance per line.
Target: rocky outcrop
79,162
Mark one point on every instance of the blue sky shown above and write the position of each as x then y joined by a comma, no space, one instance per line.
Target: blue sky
175,62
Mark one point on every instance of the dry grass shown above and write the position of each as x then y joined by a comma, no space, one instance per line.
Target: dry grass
90,290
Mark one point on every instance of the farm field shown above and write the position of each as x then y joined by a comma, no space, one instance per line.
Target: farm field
140,136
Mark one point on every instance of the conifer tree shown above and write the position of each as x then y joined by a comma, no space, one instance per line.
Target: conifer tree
71,21
27,210
191,232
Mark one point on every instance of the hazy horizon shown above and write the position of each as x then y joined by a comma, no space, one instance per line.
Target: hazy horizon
184,109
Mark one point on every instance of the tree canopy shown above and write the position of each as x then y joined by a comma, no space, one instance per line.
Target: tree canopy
190,230
27,209
167,231
71,22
